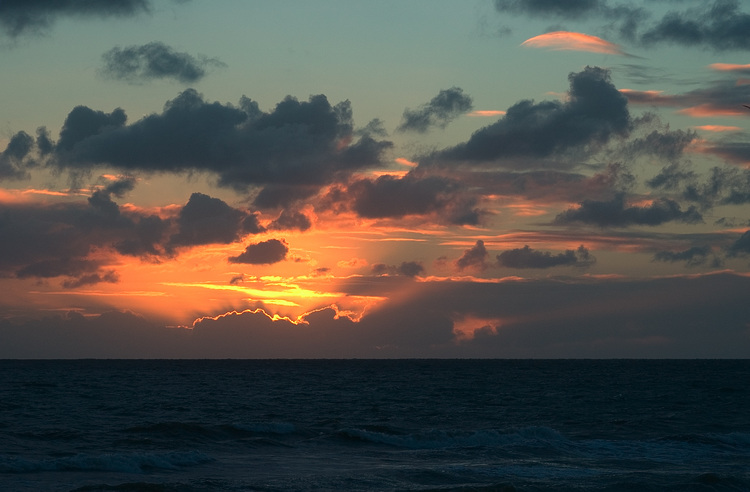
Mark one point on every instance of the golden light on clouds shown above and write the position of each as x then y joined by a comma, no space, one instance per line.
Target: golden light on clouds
573,41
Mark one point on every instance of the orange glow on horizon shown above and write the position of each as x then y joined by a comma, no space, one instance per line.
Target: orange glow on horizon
573,41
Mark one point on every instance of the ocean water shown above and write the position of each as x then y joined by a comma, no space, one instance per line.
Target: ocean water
396,425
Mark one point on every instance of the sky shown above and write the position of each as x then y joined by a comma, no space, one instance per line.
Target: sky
350,179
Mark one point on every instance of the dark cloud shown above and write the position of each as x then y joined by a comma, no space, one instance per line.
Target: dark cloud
697,316
741,246
57,240
395,197
155,60
12,164
262,253
695,256
719,97
18,17
530,258
615,213
720,25
735,152
110,276
571,9
406,268
474,257
207,220
290,220
668,145
307,143
441,110
671,177
594,113
275,196
722,186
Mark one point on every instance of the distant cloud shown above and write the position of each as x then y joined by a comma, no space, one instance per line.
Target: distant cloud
570,9
406,268
154,60
530,258
474,257
721,98
573,41
441,110
394,197
262,253
487,112
615,213
20,17
697,255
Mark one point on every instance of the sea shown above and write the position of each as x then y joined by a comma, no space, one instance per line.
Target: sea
375,425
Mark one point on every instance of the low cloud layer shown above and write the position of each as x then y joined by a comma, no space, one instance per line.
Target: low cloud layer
676,317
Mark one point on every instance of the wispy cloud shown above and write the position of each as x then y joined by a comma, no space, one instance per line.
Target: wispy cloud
573,41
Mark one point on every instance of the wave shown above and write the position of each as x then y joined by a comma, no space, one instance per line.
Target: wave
438,439
111,462
203,432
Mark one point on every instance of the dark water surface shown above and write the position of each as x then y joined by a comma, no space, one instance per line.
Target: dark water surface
458,425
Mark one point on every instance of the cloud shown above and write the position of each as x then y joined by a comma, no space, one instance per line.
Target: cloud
441,110
154,60
289,220
696,316
308,143
59,239
573,41
697,255
741,247
615,213
395,197
406,268
720,98
594,113
571,9
20,17
474,257
731,67
13,164
262,253
207,220
720,25
530,258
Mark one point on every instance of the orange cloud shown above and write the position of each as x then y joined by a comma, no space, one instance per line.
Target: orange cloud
573,41
487,112
406,162
730,67
703,110
719,128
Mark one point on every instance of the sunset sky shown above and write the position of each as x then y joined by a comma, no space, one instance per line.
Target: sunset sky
331,178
